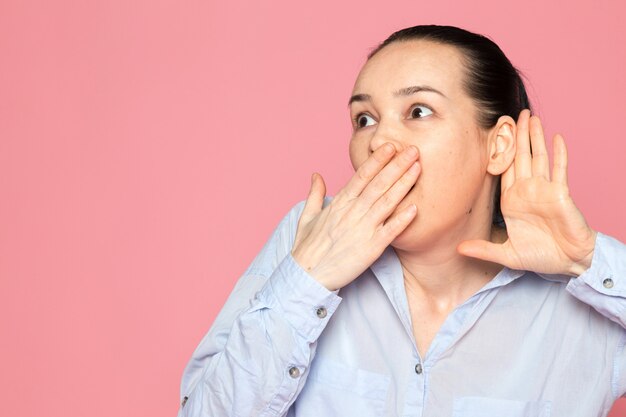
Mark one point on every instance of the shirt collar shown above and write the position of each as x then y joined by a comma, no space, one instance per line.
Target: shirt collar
388,270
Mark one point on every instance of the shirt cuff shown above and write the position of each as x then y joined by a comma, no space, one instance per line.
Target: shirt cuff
603,284
305,303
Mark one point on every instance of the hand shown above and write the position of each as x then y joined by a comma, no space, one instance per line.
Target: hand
335,244
546,231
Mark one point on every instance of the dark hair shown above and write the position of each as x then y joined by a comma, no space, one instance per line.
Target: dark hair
491,80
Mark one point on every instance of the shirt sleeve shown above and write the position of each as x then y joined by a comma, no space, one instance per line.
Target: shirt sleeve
255,358
603,285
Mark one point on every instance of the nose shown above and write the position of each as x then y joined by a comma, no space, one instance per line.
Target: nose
380,138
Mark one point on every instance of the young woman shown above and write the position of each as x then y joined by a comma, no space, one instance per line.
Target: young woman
452,276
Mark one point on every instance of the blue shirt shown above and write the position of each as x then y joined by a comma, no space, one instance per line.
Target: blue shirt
524,345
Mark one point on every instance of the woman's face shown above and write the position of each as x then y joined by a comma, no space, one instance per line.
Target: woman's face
453,191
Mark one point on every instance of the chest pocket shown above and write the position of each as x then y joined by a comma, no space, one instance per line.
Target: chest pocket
334,388
492,407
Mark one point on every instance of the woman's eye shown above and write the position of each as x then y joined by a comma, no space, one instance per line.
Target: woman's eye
420,111
361,120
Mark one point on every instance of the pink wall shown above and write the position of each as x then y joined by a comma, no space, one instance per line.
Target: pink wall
148,148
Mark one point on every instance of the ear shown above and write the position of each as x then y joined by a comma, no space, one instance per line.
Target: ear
501,145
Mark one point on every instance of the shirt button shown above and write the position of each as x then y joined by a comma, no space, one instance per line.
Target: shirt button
608,283
321,312
294,372
418,368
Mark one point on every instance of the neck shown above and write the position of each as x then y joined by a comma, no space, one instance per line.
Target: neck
442,278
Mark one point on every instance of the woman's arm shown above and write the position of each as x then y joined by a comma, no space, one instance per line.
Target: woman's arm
548,234
255,358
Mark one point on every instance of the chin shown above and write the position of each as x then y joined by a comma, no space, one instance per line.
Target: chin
422,235
413,236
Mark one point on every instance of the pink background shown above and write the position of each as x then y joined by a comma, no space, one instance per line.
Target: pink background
148,149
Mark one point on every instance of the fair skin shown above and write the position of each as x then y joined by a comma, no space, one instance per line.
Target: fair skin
447,245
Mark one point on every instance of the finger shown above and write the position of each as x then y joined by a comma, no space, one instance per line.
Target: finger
559,170
540,161
396,224
523,167
389,201
483,249
366,172
315,200
384,181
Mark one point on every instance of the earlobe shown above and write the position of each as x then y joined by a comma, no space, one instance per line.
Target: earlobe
501,145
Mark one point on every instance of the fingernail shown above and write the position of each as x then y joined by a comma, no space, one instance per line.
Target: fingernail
412,150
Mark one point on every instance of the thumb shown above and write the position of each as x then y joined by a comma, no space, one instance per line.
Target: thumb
483,249
315,199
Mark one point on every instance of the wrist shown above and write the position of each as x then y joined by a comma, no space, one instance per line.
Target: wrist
314,273
579,267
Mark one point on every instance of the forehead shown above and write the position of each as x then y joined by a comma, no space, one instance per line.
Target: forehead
414,62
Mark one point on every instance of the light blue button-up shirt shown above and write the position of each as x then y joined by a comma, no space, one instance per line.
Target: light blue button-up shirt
524,345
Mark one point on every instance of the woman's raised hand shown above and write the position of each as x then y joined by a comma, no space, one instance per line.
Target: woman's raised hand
546,231
335,244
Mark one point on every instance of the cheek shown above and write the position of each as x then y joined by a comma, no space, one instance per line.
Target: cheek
358,154
450,179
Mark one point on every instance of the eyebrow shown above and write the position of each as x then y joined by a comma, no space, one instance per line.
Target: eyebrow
406,91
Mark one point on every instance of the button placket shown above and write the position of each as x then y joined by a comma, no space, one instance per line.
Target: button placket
418,368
